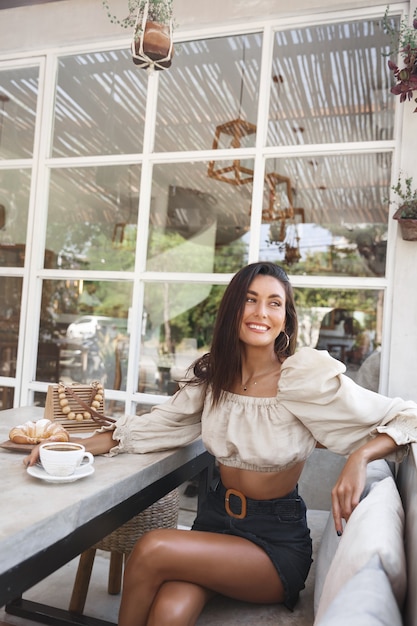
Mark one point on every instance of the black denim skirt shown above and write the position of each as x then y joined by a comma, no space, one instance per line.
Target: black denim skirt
278,526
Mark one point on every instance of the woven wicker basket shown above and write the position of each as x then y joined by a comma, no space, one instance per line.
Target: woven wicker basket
161,514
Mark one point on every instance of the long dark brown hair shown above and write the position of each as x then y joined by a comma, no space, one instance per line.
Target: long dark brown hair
222,365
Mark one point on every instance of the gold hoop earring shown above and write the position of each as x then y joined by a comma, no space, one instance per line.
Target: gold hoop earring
287,339
287,342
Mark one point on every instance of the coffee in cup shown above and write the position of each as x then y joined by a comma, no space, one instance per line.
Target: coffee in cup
61,458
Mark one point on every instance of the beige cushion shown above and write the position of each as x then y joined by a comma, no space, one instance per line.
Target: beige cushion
375,527
375,472
366,600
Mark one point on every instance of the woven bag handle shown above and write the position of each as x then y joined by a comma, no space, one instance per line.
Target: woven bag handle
95,415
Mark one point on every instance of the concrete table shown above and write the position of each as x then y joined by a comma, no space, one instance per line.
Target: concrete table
45,525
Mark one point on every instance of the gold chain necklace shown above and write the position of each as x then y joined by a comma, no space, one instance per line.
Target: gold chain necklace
245,387
254,382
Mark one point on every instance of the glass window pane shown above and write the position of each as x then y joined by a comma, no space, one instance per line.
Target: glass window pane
197,224
92,217
114,407
100,105
211,83
84,332
14,204
327,215
18,100
6,397
179,319
144,407
347,323
11,294
331,83
177,327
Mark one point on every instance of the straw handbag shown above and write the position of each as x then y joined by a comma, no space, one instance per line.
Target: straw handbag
77,407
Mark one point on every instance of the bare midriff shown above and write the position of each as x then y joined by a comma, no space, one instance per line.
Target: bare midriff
261,485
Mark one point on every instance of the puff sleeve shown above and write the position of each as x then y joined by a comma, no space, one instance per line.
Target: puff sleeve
340,414
172,424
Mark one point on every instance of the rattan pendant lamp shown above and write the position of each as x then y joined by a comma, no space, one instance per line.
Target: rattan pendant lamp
232,133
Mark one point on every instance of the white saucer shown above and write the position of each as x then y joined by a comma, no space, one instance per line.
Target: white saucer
81,472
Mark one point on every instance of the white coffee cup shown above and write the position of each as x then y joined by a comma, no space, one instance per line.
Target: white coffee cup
62,458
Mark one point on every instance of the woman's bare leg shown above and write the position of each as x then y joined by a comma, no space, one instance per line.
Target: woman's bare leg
178,604
212,562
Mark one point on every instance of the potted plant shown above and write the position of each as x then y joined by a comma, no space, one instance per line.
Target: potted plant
406,214
403,42
152,25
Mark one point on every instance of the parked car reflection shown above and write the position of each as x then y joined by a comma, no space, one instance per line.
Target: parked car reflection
88,326
96,347
89,350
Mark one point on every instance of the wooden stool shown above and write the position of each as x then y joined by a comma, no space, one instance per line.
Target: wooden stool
161,514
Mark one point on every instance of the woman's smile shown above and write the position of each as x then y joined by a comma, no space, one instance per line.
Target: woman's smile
257,327
264,313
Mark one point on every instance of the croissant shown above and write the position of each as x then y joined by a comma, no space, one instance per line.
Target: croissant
37,432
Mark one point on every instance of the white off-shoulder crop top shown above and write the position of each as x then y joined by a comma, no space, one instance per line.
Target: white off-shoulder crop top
315,402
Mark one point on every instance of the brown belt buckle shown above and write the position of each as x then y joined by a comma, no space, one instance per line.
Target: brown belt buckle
242,498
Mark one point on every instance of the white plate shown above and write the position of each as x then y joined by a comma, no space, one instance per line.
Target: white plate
81,472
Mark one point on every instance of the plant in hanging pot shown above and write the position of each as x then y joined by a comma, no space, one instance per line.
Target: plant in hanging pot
406,214
403,42
152,24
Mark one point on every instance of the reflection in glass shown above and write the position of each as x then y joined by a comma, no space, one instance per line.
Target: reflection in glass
10,302
144,407
348,324
6,397
330,83
113,407
177,327
327,215
178,324
18,101
14,203
92,217
100,105
84,333
197,224
11,294
212,82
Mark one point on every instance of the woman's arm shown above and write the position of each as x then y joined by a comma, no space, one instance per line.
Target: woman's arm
173,423
348,489
99,443
340,414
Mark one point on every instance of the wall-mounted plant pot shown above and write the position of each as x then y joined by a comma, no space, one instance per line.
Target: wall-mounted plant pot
408,226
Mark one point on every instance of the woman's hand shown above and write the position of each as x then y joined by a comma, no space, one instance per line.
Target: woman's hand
348,489
32,458
99,443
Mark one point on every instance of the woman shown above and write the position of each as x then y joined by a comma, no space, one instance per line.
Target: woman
261,409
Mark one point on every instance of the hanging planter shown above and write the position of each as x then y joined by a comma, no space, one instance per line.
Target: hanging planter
152,45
